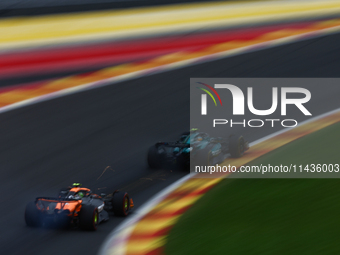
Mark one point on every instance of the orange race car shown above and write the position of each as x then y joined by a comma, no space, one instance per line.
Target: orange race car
78,207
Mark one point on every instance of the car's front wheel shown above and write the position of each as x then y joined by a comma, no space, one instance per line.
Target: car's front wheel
121,203
236,146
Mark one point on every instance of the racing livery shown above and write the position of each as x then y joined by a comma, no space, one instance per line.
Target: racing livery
78,207
198,146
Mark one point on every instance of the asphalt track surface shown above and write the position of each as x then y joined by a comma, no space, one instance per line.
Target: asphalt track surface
49,145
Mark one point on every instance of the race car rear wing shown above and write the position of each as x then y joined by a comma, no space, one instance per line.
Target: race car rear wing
52,205
55,199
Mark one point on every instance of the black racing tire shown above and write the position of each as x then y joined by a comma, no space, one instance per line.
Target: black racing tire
203,157
236,146
88,217
32,215
183,162
154,158
121,203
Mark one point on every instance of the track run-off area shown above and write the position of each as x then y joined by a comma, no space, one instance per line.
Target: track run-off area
51,144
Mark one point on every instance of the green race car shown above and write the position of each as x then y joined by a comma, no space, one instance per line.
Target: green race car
196,147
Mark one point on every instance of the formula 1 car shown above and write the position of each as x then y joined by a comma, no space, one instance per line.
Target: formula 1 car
197,146
78,207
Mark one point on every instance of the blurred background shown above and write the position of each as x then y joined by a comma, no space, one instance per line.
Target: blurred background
130,63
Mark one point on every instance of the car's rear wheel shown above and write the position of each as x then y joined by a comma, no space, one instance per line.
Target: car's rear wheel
32,215
121,203
154,158
88,217
236,146
203,157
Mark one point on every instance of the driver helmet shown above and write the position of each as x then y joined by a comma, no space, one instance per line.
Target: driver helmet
79,195
194,130
198,139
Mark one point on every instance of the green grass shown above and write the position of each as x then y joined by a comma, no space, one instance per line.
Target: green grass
321,147
268,216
